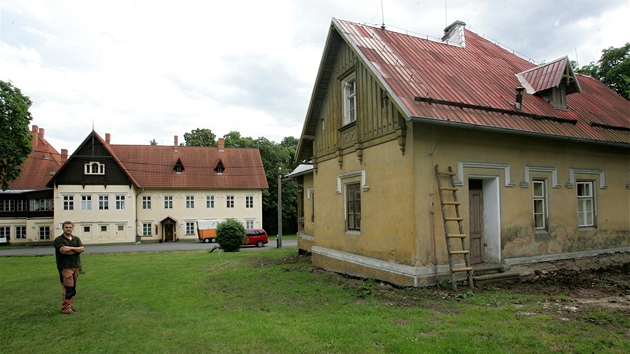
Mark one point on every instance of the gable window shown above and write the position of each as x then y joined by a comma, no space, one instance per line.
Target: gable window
353,206
20,232
103,202
249,202
94,168
349,100
168,202
86,202
68,202
586,204
190,227
229,201
146,202
219,167
146,229
44,232
190,202
120,202
210,202
540,205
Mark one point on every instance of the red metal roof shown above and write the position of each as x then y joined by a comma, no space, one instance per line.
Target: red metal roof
40,165
476,85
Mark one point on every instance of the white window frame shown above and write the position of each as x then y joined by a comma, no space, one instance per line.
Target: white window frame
229,201
22,205
249,202
103,228
7,205
21,234
68,202
350,100
44,232
94,168
120,202
586,214
120,227
86,202
5,232
190,202
147,228
190,227
210,202
168,202
103,202
539,210
249,224
146,202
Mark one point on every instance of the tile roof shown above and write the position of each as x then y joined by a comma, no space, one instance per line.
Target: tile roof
40,165
152,166
471,85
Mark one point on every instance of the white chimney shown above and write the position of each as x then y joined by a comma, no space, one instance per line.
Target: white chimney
454,34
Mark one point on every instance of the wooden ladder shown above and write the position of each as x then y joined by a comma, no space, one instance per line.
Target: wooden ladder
448,203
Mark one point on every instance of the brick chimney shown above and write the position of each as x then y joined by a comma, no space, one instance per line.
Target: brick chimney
454,34
108,138
221,144
41,133
35,140
175,141
64,156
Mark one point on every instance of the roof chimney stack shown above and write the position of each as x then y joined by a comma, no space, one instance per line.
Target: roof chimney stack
519,98
454,34
108,138
175,141
35,139
41,133
64,156
221,144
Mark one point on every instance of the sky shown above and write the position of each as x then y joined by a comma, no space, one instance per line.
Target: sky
144,70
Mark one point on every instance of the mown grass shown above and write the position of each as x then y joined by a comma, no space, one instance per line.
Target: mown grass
260,302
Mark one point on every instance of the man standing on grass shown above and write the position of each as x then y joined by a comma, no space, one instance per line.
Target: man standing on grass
68,250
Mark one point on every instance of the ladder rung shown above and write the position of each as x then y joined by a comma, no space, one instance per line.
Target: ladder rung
456,235
460,252
451,203
448,188
454,219
466,269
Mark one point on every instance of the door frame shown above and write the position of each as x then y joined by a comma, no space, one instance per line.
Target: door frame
491,217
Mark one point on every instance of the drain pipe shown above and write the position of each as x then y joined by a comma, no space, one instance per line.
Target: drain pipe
435,262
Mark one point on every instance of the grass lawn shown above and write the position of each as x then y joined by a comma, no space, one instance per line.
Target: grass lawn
276,302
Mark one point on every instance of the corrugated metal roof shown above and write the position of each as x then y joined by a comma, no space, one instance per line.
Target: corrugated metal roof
482,77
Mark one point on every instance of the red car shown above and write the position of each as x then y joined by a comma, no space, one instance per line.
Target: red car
256,237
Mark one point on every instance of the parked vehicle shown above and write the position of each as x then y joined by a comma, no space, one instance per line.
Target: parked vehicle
207,230
256,237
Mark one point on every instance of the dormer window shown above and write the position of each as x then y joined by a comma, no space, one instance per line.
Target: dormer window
179,167
552,82
94,168
219,167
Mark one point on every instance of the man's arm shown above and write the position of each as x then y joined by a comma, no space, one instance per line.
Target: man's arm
71,250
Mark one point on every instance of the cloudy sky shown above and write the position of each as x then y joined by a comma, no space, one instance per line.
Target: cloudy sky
143,70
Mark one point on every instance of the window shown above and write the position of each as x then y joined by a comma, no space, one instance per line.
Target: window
21,205
120,202
249,202
103,202
229,201
86,229
5,232
44,232
86,202
68,202
41,205
94,168
585,199
121,227
7,205
349,100
168,202
146,203
540,205
190,227
190,202
103,228
353,206
20,232
210,202
249,224
146,229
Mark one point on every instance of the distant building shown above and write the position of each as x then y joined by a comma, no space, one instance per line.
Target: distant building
540,156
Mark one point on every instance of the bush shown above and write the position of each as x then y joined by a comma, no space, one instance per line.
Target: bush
230,235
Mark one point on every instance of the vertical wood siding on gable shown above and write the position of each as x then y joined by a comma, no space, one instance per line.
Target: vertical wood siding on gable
376,115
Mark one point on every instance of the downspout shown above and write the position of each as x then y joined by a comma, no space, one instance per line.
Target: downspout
435,258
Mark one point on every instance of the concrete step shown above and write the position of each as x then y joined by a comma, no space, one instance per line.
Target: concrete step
488,268
496,277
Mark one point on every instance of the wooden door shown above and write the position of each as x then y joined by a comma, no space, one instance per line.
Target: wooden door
476,226
168,232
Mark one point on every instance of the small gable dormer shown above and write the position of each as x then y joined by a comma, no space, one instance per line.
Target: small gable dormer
552,82
179,167
219,168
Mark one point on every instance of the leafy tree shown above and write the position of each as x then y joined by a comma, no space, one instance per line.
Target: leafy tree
612,69
153,142
200,137
230,235
234,139
15,141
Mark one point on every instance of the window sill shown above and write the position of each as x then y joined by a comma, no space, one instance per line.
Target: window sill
353,233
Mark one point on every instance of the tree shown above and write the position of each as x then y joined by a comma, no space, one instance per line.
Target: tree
612,69
234,139
15,141
200,137
153,142
230,235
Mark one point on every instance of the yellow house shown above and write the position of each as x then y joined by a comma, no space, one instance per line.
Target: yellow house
125,193
540,158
